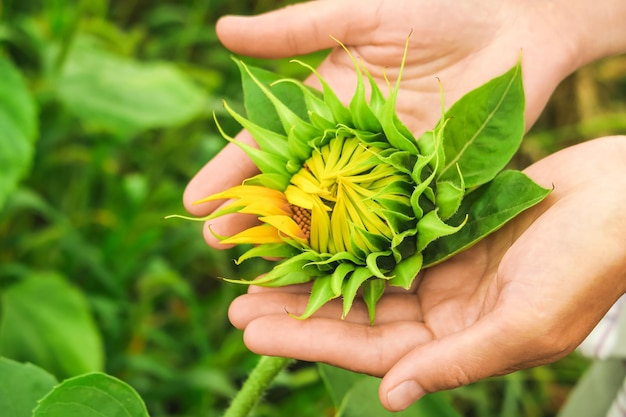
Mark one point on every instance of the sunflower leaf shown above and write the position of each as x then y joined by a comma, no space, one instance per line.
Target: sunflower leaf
259,108
487,209
485,129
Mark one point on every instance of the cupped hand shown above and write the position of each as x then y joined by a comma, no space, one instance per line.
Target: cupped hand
524,296
463,44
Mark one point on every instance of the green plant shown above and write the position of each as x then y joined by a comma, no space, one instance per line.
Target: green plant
87,174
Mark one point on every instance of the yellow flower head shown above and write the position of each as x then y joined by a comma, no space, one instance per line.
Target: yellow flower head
345,195
349,199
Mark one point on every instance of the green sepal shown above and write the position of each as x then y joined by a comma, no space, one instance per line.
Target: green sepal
362,116
405,272
266,162
293,278
397,133
376,139
404,245
270,250
268,140
399,204
373,290
399,221
431,227
275,181
351,286
328,259
374,241
340,113
298,131
372,262
321,122
395,186
421,188
449,195
339,275
377,98
313,99
294,270
298,142
321,293
403,161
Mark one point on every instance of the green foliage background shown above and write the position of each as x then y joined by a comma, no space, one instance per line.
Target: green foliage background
105,114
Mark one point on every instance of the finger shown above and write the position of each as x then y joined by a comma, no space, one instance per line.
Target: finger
551,296
229,168
298,29
391,308
357,347
485,349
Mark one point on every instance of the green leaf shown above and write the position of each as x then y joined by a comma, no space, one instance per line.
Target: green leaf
21,386
18,129
259,107
123,95
488,208
338,381
47,321
356,395
485,128
92,395
362,400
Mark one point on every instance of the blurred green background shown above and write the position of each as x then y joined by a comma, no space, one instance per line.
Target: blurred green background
105,114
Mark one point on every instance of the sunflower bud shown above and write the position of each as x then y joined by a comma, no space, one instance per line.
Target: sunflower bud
348,198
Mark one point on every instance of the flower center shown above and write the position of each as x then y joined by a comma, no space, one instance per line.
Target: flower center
302,217
340,197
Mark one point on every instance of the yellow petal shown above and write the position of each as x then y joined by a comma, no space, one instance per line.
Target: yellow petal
246,193
320,225
299,198
255,235
285,225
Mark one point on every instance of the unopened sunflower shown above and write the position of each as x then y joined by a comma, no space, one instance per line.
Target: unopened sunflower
348,198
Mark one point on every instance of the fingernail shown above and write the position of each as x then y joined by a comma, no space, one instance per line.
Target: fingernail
404,394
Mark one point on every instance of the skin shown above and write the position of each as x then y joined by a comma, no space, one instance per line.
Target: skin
525,296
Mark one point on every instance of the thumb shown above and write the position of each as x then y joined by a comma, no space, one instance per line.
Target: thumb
480,351
298,29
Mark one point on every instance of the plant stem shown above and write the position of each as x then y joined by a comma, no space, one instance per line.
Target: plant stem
261,376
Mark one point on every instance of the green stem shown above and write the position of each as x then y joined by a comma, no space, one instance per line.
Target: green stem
261,376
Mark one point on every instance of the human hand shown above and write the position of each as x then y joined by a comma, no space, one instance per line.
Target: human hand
524,296
464,44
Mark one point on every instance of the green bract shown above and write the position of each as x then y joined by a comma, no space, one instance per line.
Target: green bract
350,199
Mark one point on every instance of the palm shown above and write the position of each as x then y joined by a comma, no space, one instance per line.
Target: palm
526,295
